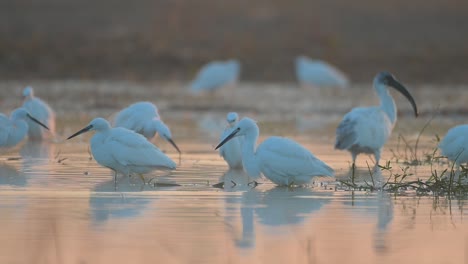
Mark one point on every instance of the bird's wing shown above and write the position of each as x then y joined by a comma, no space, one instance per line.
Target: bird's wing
287,157
132,149
346,134
365,126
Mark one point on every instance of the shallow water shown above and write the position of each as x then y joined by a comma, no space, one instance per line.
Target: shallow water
58,206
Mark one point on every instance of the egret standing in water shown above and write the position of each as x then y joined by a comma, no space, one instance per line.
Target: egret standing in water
318,73
123,150
41,111
281,160
14,129
231,151
216,75
143,118
366,129
455,145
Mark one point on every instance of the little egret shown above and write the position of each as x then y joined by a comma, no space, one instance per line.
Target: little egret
143,118
123,150
281,160
14,129
215,75
318,73
366,129
455,145
41,111
231,151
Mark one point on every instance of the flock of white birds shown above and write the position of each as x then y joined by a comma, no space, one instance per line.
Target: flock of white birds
125,145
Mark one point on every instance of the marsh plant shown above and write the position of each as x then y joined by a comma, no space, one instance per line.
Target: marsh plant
446,178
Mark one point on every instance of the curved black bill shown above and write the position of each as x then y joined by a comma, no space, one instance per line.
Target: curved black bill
37,121
84,130
173,144
229,137
399,87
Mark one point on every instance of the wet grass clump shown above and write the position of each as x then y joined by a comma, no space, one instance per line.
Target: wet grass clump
451,181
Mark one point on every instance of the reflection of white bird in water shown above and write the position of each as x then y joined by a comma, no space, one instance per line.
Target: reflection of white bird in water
318,73
143,118
273,208
281,160
455,145
41,111
377,206
14,129
366,129
215,75
123,150
231,151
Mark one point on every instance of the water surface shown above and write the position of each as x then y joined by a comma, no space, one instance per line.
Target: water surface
59,206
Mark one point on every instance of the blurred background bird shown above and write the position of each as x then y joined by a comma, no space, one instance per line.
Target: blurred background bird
216,75
42,112
318,73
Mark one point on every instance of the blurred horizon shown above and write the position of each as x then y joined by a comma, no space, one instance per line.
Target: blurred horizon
419,41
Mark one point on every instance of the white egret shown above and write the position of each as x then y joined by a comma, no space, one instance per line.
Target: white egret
123,150
281,160
366,129
143,118
231,151
215,75
41,111
14,129
318,73
455,145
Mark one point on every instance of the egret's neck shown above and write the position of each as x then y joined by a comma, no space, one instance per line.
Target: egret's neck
249,159
386,102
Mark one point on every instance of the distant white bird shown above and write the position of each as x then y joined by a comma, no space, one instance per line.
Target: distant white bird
231,151
367,129
281,160
143,118
215,75
40,110
123,150
318,73
14,129
455,145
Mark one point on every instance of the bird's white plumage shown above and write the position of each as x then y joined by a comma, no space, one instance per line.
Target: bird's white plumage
455,144
42,112
143,118
281,160
138,117
367,129
215,75
231,151
319,73
364,129
13,129
125,151
286,162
